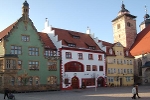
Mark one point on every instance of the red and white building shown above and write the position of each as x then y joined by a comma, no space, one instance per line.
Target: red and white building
82,61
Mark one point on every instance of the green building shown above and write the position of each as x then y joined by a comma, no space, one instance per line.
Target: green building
28,59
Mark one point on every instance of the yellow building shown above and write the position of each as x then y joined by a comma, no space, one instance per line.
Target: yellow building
119,65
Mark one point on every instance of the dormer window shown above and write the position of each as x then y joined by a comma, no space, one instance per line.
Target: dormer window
92,47
76,37
71,45
127,53
110,51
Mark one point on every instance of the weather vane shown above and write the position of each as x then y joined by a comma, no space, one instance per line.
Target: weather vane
145,9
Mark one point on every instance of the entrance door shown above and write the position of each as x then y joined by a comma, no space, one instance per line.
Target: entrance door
75,83
120,81
100,82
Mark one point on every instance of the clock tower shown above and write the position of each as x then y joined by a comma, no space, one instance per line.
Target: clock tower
124,27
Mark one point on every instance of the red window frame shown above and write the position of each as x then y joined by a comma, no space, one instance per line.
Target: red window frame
99,57
94,68
90,56
68,55
101,68
80,56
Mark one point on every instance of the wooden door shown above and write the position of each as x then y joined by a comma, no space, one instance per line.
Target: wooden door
75,83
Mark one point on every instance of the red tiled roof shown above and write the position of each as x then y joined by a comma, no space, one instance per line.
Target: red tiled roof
105,43
141,44
83,41
46,40
8,29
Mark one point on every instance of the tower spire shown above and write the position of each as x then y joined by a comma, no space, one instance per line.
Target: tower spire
145,9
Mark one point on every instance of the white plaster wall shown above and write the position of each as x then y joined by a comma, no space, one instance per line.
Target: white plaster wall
85,61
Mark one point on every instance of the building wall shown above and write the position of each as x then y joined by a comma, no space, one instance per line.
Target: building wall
15,39
84,61
118,65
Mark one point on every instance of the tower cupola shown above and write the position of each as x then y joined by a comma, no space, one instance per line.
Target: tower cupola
25,11
123,10
146,21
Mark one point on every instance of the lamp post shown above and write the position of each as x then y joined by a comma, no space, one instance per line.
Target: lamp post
95,75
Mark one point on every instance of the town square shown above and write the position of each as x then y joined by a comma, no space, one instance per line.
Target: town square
41,61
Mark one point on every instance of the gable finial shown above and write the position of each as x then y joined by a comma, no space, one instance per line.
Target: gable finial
145,9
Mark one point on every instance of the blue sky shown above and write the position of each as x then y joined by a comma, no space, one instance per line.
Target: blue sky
75,15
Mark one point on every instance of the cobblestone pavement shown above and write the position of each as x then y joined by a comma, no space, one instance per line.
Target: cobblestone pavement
102,93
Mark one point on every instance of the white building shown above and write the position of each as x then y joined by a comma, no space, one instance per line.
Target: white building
82,61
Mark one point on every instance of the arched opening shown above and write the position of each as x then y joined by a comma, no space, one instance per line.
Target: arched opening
75,83
100,82
74,66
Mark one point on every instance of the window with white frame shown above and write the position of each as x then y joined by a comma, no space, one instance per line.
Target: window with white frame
128,71
118,71
128,79
52,80
130,62
114,61
25,38
124,61
124,70
16,50
121,71
110,79
33,51
31,80
114,70
10,64
109,70
131,71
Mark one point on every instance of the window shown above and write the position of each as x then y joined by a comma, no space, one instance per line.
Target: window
52,66
68,55
124,70
12,81
80,56
128,71
19,64
118,26
100,57
25,38
121,71
19,80
127,62
118,71
117,53
114,70
37,81
120,52
94,68
127,79
90,56
49,53
10,64
100,68
131,71
74,67
16,50
52,80
33,65
33,51
124,61
31,81
71,45
76,37
1,64
88,67
110,79
92,47
130,62
110,51
114,61
109,70
128,24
